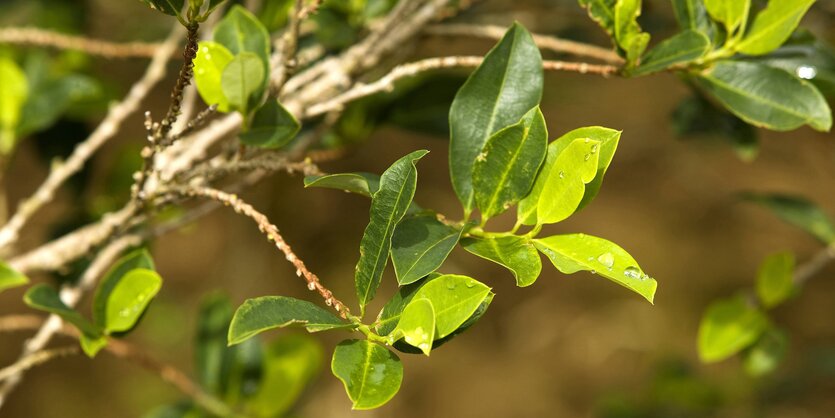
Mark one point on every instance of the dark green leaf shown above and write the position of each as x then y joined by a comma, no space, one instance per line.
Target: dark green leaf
138,259
765,355
773,25
575,252
291,362
240,31
241,81
775,279
371,374
420,245
692,14
213,359
497,94
767,97
268,312
274,14
129,298
10,277
365,184
681,48
517,254
416,325
45,298
388,205
169,7
212,58
727,327
455,298
51,98
505,169
806,57
272,127
799,212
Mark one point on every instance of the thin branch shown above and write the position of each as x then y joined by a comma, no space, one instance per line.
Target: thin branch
267,162
272,234
542,41
807,270
36,359
41,37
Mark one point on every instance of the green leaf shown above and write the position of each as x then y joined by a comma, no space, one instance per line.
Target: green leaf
52,98
773,25
517,254
800,212
240,31
365,184
679,49
602,12
420,245
272,127
213,4
565,184
269,312
169,7
213,358
774,280
628,33
291,362
129,299
727,327
765,355
92,345
731,13
212,58
10,277
371,374
766,97
506,85
692,14
575,252
455,299
241,81
505,169
13,96
137,259
417,325
45,298
388,206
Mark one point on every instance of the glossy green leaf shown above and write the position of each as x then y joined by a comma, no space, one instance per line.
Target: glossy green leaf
240,31
417,325
291,363
765,96
682,48
129,299
420,245
767,353
455,299
575,252
565,184
13,96
241,81
371,374
800,212
46,298
169,7
212,58
137,259
730,12
505,169
388,206
269,312
602,12
10,277
773,25
515,253
365,184
727,327
506,85
692,14
272,127
775,279
628,33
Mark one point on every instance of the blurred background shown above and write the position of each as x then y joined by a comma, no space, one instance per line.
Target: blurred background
569,346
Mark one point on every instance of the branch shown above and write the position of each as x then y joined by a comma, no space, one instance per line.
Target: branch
36,359
41,37
807,270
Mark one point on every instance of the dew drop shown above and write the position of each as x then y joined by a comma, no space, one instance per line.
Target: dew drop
633,273
607,259
470,284
806,72
562,174
586,158
450,285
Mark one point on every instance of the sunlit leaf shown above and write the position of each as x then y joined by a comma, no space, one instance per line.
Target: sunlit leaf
455,298
775,279
134,260
515,253
632,41
565,184
767,353
679,49
417,325
13,95
212,58
730,12
10,277
773,25
371,374
241,81
727,327
129,298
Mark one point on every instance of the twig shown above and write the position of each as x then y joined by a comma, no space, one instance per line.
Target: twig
807,270
542,41
268,162
35,359
272,233
41,37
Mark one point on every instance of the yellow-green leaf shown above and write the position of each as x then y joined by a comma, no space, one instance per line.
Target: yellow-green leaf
773,25
10,277
775,279
727,327
212,58
371,374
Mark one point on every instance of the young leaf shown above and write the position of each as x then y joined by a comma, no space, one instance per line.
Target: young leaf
137,259
365,184
774,280
10,277
692,14
766,97
773,25
730,12
417,325
272,127
420,245
240,31
388,205
505,169
268,312
628,33
169,7
13,96
765,355
681,48
212,58
727,327
497,94
129,299
45,298
602,12
565,185
371,374
241,81
799,212
575,252
455,299
291,362
515,253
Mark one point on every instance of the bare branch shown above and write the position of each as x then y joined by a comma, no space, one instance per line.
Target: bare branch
807,270
41,37
36,359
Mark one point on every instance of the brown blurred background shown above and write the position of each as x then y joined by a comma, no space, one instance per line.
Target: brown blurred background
569,346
